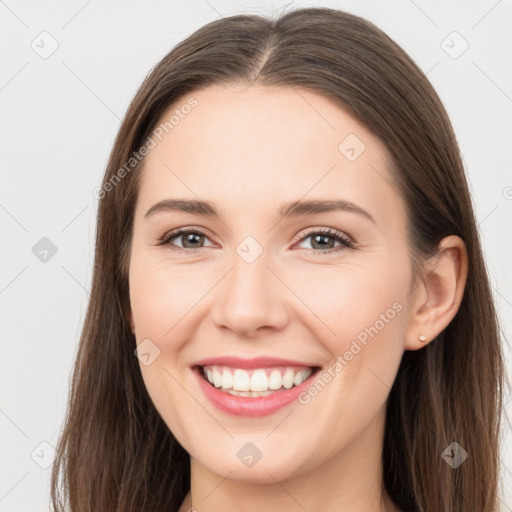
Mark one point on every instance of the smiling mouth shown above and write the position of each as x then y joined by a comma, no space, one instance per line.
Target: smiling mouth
255,382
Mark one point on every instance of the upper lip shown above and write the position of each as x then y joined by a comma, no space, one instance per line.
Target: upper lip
256,362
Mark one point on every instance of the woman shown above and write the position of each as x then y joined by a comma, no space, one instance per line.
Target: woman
287,243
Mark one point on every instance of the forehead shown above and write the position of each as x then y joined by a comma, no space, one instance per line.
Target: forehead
231,117
248,143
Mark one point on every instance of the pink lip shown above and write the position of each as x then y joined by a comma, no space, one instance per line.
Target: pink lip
250,406
256,362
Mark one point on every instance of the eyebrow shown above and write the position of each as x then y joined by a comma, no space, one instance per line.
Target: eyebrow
287,210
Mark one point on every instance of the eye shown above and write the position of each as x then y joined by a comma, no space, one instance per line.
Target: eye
194,237
320,239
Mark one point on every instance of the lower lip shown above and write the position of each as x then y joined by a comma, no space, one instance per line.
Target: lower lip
247,405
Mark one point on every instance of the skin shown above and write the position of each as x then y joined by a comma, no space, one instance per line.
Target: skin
248,149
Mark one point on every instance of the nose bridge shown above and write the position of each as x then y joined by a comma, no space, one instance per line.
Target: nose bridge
250,296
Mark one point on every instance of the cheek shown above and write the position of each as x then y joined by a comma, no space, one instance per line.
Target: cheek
161,295
348,299
160,300
362,313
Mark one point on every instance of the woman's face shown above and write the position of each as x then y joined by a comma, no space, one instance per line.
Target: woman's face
255,284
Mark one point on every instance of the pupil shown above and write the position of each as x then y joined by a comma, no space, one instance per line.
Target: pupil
317,237
189,238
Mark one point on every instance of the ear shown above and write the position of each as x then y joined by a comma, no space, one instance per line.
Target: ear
438,296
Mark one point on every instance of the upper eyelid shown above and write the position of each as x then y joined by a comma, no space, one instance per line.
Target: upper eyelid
324,230
306,232
173,233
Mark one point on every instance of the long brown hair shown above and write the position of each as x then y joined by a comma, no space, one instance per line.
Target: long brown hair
116,453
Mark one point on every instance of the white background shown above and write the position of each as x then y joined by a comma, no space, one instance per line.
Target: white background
59,119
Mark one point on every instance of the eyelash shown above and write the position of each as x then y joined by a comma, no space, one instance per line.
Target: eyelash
346,242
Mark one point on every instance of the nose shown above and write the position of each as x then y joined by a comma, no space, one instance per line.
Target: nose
251,299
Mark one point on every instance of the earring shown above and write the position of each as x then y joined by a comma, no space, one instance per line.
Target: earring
422,338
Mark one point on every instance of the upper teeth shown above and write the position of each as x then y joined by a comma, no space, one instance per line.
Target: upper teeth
261,379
